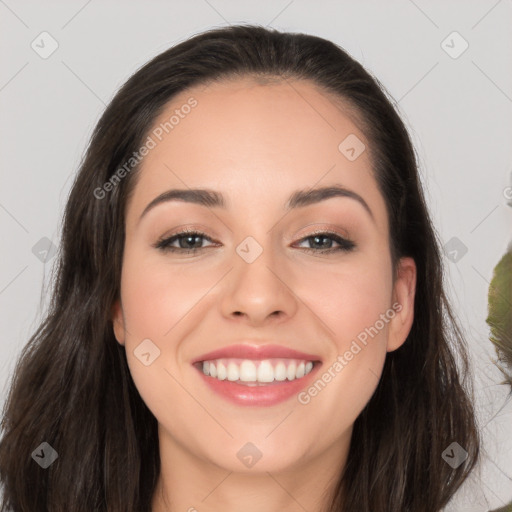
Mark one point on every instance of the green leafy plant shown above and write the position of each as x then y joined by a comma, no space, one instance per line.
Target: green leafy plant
506,508
499,316
499,320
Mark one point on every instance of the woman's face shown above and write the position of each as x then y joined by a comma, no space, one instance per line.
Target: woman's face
261,276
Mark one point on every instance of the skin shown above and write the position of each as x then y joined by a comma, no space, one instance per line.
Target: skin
256,144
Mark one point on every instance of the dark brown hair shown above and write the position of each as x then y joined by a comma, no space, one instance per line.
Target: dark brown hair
72,387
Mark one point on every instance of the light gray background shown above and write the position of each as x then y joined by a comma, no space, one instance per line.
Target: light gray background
458,110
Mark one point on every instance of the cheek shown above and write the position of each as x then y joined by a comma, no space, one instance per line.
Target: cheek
155,299
353,303
348,297
156,296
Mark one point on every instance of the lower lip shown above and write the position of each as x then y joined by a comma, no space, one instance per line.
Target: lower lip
260,395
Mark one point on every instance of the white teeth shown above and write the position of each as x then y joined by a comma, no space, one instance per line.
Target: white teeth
265,371
221,370
280,372
247,371
292,369
233,372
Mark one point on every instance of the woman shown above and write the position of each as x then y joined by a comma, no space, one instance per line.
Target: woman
265,369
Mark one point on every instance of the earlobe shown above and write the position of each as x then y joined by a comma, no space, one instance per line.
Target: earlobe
403,296
118,322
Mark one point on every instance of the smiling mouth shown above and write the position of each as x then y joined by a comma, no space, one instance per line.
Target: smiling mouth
251,372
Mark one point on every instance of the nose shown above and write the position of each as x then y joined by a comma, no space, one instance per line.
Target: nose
258,291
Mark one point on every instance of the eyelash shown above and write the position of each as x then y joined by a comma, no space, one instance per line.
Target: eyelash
345,245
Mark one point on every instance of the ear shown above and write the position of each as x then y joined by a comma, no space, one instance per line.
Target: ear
118,322
404,291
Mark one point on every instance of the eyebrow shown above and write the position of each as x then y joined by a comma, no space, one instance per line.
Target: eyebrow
214,199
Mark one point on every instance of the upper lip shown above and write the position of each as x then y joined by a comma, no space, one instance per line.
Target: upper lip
246,351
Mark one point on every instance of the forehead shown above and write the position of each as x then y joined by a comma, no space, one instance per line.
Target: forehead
261,141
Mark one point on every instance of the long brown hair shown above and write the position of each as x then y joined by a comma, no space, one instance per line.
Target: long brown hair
72,387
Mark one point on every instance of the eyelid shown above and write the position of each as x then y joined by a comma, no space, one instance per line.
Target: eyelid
326,228
188,228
